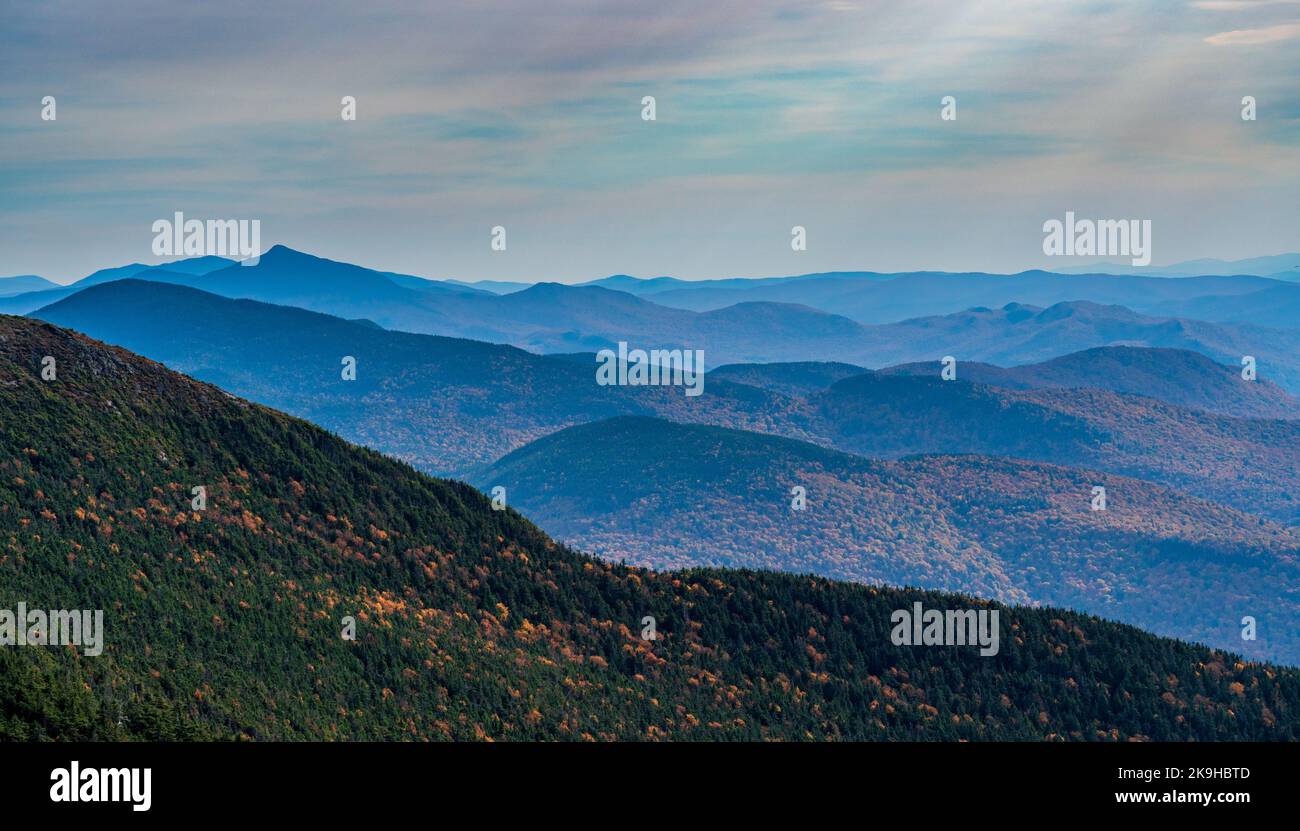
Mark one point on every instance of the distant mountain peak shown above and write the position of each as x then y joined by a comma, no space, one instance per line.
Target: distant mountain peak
279,251
1072,308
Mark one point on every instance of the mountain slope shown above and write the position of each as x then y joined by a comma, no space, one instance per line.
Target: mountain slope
24,283
554,318
442,404
1249,464
883,298
667,495
1209,265
176,271
549,317
225,622
1175,376
546,317
281,275
448,405
799,378
1019,333
1277,307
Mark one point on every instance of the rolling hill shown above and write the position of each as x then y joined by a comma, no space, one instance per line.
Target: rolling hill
281,275
755,328
444,405
1265,266
227,622
177,271
1175,376
868,297
546,317
1277,307
448,405
24,283
1245,463
667,495
800,378
549,317
1019,334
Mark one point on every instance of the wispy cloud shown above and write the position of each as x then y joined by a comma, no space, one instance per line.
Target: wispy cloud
1255,37
1241,5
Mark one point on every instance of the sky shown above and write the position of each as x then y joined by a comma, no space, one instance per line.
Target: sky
528,116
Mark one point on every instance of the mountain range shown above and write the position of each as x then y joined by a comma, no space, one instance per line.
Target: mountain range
1018,334
23,284
46,293
1176,376
1036,315
449,406
671,495
869,297
230,620
1278,266
1245,463
445,405
552,318
798,378
984,485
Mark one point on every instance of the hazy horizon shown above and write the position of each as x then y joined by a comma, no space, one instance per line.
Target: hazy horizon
1073,268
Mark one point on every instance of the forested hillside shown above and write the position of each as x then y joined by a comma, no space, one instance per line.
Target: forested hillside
1249,464
449,406
445,405
225,622
669,495
1175,376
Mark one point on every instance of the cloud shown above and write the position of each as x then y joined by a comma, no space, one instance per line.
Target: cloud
769,114
1241,5
1255,37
